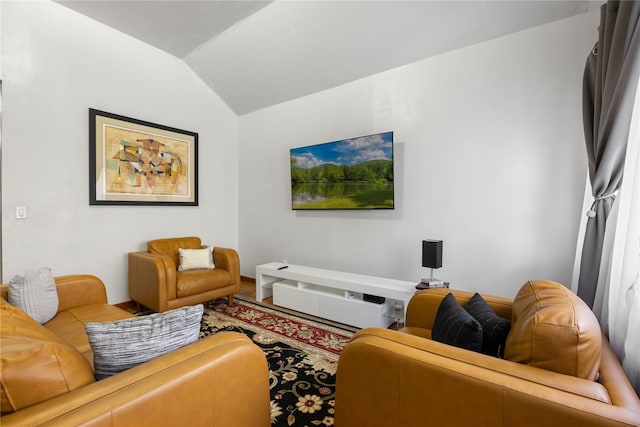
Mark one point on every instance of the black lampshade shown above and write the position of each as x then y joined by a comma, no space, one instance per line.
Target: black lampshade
432,253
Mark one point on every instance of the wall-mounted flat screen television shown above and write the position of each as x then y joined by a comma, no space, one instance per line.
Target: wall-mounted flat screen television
354,173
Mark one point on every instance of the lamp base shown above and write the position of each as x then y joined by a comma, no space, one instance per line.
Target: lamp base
432,281
421,286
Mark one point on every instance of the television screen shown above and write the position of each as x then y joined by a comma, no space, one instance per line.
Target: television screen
354,173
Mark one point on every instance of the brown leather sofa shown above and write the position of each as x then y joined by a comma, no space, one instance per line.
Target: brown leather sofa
403,378
156,283
221,380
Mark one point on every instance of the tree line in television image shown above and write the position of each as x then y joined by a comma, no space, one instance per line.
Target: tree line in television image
327,177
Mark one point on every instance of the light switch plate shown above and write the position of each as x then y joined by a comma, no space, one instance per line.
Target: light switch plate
21,212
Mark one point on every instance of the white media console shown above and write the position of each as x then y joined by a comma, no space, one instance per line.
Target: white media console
334,295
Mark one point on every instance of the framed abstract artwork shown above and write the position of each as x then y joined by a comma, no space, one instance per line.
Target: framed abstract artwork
133,162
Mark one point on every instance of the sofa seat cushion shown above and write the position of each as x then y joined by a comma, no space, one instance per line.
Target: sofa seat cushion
69,324
34,364
553,329
193,282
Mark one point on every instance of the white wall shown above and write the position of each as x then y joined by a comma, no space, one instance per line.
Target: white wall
489,157
56,65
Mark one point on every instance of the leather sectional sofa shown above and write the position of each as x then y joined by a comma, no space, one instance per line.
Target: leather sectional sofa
221,380
404,378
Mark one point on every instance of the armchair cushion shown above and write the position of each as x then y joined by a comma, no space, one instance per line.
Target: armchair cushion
553,329
35,293
494,328
123,344
193,282
454,326
194,259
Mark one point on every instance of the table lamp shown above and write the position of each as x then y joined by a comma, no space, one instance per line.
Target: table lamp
432,258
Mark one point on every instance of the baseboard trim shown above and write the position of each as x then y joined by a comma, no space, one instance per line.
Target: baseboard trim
247,279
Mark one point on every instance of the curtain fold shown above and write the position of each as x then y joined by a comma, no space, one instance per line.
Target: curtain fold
623,278
609,88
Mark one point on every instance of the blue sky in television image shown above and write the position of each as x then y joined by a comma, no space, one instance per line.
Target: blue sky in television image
345,152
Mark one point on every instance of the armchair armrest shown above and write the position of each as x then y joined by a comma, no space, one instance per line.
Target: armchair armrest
152,279
228,259
221,380
423,307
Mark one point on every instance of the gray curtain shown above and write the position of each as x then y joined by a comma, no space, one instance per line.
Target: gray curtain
609,87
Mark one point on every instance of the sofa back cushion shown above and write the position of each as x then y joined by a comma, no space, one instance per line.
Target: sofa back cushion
34,364
553,329
169,247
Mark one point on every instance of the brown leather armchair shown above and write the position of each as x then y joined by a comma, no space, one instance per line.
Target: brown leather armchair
404,378
156,283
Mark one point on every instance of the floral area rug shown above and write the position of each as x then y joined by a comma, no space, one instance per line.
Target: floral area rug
302,355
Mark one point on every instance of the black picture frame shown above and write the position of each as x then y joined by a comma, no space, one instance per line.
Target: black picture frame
136,162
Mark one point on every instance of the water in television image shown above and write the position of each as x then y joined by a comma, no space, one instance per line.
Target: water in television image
354,173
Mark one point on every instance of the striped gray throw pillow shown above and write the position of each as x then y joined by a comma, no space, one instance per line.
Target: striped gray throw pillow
123,344
35,293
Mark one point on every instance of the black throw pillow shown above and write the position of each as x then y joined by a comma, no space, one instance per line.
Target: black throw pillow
494,328
454,326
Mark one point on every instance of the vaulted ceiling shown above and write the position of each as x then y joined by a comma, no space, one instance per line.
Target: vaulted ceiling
255,54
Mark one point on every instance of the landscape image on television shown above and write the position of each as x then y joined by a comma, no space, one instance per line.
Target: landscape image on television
352,173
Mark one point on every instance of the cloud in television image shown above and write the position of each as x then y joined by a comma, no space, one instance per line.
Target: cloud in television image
354,173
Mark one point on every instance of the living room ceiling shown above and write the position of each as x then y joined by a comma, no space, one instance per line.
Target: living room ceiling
255,54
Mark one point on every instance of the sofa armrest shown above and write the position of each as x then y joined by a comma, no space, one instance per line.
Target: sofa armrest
228,259
221,380
152,280
79,289
613,378
73,290
419,381
423,306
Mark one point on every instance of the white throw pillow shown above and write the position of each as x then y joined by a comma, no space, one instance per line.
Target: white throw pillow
123,344
192,259
35,293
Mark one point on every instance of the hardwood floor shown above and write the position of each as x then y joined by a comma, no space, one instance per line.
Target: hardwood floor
248,291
